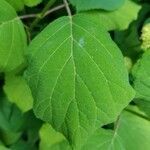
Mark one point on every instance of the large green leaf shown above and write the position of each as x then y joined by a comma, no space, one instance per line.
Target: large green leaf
18,92
82,5
73,63
141,75
52,140
115,19
12,39
132,132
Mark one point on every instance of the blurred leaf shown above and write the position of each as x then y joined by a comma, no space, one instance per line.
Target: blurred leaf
18,92
129,40
82,5
115,19
141,82
12,39
23,145
32,3
11,121
132,132
52,140
17,4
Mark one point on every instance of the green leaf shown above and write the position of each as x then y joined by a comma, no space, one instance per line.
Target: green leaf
132,132
141,75
2,147
11,121
17,4
18,92
23,145
52,140
32,3
82,5
129,39
12,39
73,63
115,19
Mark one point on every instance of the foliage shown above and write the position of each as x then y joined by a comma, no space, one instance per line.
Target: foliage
74,75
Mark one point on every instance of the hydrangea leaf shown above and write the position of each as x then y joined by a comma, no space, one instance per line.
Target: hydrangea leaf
130,129
12,39
82,5
73,63
18,92
50,139
141,77
115,19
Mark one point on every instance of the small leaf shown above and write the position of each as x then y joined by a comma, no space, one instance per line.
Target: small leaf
73,63
32,3
12,39
18,92
141,75
115,19
131,130
82,5
52,140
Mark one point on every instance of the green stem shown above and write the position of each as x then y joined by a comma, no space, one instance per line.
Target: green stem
41,15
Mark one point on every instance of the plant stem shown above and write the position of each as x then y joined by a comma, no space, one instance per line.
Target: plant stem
41,15
54,9
67,8
46,13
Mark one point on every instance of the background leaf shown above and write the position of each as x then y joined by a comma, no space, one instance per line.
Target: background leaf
82,5
130,129
18,92
141,82
115,19
12,39
17,4
52,140
31,3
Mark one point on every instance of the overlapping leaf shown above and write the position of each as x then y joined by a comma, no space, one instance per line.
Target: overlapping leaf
115,19
12,39
19,4
141,75
132,133
82,5
52,140
32,2
73,63
18,92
